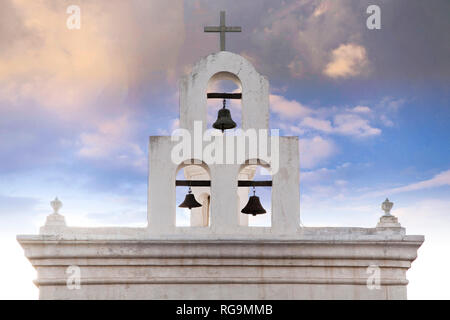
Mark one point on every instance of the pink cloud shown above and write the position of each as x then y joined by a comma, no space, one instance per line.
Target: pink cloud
348,60
315,150
288,108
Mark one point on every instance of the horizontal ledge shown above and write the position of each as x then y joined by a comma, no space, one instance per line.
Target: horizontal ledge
215,95
207,183
215,280
83,261
208,242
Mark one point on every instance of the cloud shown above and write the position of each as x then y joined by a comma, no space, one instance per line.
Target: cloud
321,9
67,71
112,140
387,109
315,176
348,60
57,84
311,30
344,124
317,124
288,108
349,122
361,109
308,31
315,150
296,68
391,103
353,125
439,180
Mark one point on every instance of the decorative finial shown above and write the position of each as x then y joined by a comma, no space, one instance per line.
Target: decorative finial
56,205
387,206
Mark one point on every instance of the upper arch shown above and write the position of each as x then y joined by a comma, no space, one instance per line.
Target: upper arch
229,66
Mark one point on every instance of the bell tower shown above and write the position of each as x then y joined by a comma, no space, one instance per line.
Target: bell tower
228,192
219,256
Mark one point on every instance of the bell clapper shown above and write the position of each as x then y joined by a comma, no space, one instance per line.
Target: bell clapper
254,194
224,106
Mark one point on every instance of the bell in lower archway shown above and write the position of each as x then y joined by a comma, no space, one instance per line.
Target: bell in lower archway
253,206
189,201
224,120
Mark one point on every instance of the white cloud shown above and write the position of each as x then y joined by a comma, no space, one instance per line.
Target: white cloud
351,122
315,176
341,182
361,109
321,9
348,60
288,108
439,180
353,125
111,141
315,150
343,124
386,121
317,124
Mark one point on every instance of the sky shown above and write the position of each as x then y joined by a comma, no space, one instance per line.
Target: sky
371,109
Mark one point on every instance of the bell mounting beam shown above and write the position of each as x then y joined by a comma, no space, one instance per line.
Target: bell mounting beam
247,183
215,95
207,183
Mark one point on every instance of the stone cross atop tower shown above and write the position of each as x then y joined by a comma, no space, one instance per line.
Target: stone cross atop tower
222,29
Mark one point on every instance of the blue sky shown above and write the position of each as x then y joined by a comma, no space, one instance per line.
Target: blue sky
371,109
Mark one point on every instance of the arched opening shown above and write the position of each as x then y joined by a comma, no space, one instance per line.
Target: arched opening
194,217
224,82
255,170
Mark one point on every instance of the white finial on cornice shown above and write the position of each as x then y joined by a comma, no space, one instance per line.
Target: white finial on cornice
55,222
388,221
387,206
56,205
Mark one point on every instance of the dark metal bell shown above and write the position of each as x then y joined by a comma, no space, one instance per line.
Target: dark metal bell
189,201
224,120
253,206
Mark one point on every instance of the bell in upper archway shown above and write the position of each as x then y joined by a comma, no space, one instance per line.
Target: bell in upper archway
253,206
224,120
189,201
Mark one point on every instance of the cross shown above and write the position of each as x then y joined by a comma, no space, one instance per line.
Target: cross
222,29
